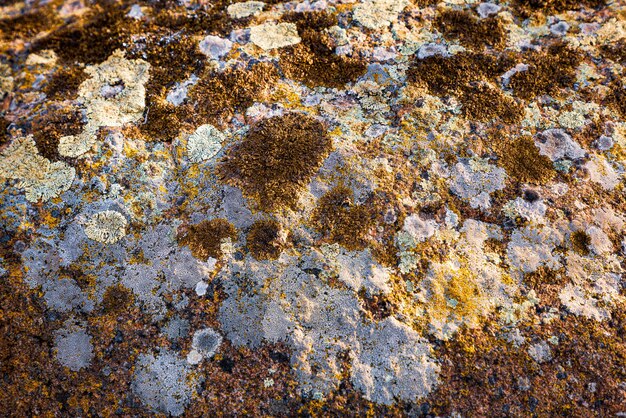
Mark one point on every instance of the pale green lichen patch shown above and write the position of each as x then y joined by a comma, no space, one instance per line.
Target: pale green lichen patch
274,35
107,227
40,178
204,143
113,96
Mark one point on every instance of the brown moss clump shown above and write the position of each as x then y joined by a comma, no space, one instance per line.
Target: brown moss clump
116,299
93,38
313,61
64,83
484,103
163,120
219,95
464,75
617,98
580,242
523,162
204,239
378,307
24,26
277,159
263,239
471,31
4,130
50,126
548,71
615,51
526,8
341,220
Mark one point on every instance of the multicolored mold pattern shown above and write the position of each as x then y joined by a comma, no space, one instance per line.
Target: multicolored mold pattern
298,208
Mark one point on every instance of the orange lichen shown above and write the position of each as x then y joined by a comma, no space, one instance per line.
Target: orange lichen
276,159
204,239
263,239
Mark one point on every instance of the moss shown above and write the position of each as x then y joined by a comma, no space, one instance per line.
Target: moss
471,31
64,83
116,299
219,95
525,8
28,25
341,220
313,61
523,162
445,75
580,242
93,38
548,71
50,126
484,103
276,159
263,239
617,98
378,307
163,120
205,238
615,51
4,130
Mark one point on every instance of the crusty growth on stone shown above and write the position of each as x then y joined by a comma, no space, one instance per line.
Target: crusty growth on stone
277,159
205,238
264,239
106,227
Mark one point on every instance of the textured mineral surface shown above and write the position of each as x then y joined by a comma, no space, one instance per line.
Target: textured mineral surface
372,208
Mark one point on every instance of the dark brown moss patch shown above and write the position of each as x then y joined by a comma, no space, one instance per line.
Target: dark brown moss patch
263,239
580,242
484,103
471,31
204,239
523,162
219,95
163,120
616,51
464,75
277,159
91,39
53,124
313,61
64,83
525,8
617,98
116,298
27,25
4,130
548,71
341,220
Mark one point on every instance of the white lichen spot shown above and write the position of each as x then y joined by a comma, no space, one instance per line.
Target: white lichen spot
73,347
602,172
274,35
245,9
376,14
540,352
108,227
113,96
206,342
215,47
557,144
204,143
40,178
475,180
531,248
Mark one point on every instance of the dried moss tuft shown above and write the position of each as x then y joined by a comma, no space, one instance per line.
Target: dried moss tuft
580,242
341,220
471,31
219,95
484,103
313,61
277,159
526,8
523,162
116,299
64,83
263,239
204,239
50,126
548,71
